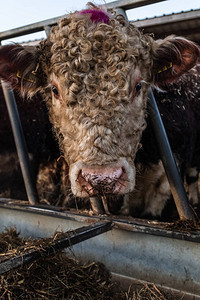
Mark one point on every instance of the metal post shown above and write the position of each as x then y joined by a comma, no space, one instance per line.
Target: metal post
180,197
121,11
20,144
97,205
47,30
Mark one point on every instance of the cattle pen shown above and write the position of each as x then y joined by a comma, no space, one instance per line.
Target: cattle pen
132,249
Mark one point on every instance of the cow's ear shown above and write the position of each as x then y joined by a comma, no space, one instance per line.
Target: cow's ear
173,57
19,67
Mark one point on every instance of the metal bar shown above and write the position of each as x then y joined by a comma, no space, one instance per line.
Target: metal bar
129,4
30,220
28,29
105,204
72,238
179,17
121,11
47,29
97,205
180,197
20,144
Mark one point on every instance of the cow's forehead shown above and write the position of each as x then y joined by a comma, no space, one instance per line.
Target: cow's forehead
81,44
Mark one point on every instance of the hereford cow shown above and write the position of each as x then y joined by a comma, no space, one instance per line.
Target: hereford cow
94,71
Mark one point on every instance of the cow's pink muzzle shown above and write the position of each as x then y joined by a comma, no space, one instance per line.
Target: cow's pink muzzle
101,180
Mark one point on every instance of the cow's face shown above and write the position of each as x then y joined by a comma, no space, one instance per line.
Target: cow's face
97,103
95,77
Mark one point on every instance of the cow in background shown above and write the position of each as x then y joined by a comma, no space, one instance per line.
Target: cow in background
179,106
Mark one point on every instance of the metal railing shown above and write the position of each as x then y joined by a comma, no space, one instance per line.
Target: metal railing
118,6
175,181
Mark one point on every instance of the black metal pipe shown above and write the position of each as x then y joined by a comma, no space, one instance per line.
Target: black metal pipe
176,184
71,238
20,144
97,205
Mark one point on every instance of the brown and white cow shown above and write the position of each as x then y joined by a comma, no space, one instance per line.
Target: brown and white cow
94,71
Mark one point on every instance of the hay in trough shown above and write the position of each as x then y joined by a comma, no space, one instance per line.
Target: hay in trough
184,225
60,277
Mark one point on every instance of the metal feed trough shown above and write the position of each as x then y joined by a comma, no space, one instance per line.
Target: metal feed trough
131,249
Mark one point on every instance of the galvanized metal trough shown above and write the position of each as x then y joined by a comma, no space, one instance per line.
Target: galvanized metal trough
132,250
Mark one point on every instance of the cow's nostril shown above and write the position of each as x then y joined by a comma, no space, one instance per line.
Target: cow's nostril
100,181
102,176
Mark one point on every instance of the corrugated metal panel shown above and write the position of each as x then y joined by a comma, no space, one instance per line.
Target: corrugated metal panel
184,23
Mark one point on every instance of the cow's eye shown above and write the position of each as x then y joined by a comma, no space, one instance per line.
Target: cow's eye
138,87
55,91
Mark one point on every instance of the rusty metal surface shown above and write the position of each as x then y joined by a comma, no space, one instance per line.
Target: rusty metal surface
135,249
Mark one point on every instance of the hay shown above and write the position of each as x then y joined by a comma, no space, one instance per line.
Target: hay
151,292
57,277
184,225
54,277
60,277
9,240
